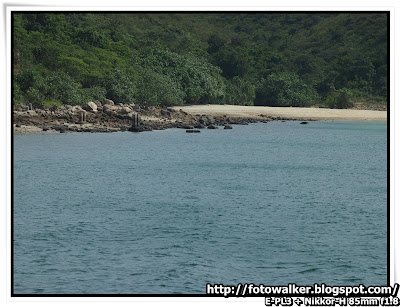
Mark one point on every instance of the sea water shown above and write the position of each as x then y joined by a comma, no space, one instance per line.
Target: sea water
168,212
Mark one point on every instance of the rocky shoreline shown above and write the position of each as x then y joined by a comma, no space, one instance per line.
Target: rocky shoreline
111,117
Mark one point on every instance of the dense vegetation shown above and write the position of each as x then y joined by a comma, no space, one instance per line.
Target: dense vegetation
297,59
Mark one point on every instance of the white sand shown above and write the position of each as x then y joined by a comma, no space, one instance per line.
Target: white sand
286,112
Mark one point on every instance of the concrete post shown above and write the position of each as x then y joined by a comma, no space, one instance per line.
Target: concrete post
135,120
82,117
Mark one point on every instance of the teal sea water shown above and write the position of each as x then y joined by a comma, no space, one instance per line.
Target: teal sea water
167,212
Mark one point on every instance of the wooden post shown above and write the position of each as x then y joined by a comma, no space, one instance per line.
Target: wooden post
135,120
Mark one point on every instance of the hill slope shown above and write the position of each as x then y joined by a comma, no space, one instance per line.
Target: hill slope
270,59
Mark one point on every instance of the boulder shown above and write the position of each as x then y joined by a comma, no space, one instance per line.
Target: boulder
92,106
125,110
303,123
31,113
192,131
108,102
76,109
109,107
210,120
227,127
212,127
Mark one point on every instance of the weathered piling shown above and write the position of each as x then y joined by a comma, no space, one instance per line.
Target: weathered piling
135,120
82,117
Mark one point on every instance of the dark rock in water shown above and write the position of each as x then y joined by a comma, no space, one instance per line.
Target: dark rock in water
136,129
283,121
187,127
199,126
212,127
227,127
304,123
147,128
192,131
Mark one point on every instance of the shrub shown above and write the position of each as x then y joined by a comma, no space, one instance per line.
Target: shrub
240,92
340,99
94,93
120,86
62,87
34,96
285,89
199,80
158,89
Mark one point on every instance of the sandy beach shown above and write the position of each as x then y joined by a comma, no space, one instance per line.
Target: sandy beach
258,112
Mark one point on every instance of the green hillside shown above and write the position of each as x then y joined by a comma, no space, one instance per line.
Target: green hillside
275,59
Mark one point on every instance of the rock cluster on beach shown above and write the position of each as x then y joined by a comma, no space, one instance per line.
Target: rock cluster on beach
110,117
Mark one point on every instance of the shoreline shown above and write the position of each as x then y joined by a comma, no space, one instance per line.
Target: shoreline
258,112
112,118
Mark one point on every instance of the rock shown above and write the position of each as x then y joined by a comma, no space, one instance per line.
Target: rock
136,129
125,110
98,103
210,120
192,131
126,116
187,127
212,127
303,123
227,127
199,126
92,106
76,109
109,107
31,113
165,112
108,102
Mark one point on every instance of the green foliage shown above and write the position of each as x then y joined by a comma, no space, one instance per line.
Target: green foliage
34,96
47,104
18,96
61,86
94,93
240,92
233,61
285,89
291,59
199,80
120,86
157,89
341,99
